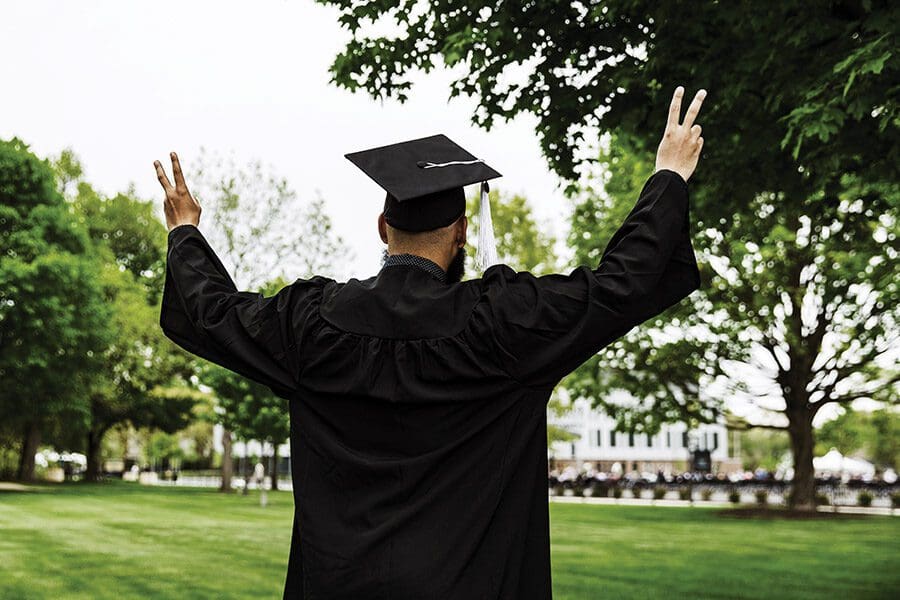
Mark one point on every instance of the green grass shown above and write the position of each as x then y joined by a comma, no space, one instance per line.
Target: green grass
122,541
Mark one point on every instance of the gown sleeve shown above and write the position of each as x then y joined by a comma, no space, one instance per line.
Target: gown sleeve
204,313
545,327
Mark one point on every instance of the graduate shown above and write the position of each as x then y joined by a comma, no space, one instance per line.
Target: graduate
418,401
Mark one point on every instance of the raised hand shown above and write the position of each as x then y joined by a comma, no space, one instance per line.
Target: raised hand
680,147
180,207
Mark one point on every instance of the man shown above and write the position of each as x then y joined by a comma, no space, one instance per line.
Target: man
418,402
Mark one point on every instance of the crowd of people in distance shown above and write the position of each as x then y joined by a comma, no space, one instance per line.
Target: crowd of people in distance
570,477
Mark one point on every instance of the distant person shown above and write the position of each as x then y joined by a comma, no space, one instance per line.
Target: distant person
418,402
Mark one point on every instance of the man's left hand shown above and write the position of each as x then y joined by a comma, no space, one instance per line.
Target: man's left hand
180,207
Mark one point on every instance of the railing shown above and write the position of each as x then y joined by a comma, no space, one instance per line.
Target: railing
830,493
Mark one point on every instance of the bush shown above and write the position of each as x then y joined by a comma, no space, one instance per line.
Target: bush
762,497
685,493
659,493
734,496
895,500
707,494
864,499
822,499
617,492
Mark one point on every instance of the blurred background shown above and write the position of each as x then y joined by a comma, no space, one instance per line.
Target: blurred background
742,444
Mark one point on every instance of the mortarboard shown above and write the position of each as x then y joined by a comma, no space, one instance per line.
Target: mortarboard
424,181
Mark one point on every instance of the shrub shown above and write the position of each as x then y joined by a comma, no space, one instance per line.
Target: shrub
707,494
617,492
822,499
659,493
762,497
734,496
685,493
895,500
864,499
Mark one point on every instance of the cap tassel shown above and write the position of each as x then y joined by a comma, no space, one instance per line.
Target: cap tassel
486,254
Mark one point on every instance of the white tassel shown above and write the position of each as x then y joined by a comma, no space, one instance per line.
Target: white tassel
486,253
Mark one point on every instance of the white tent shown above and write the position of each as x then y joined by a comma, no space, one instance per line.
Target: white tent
835,463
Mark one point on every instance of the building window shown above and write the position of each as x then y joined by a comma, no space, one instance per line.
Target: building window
649,441
612,438
684,439
715,440
631,439
599,438
668,439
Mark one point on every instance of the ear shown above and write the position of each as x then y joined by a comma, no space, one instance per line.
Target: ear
382,228
461,232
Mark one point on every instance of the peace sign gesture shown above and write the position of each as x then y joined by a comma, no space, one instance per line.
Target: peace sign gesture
180,207
680,147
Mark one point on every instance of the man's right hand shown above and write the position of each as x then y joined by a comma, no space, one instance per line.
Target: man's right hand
680,147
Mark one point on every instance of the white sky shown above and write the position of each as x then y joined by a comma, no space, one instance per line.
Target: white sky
122,83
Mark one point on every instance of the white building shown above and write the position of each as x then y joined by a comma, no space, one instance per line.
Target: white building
668,451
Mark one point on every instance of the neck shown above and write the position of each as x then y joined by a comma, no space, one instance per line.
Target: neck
441,259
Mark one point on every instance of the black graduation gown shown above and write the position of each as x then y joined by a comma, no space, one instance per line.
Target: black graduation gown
418,408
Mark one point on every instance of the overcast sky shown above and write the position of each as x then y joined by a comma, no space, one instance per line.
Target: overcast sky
122,83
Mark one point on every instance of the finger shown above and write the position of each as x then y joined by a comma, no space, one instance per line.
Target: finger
699,144
675,107
176,170
695,130
694,108
162,177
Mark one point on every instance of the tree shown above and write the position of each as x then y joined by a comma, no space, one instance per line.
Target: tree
580,66
800,165
847,432
522,243
251,410
54,321
788,319
261,230
142,378
660,364
763,448
873,434
259,226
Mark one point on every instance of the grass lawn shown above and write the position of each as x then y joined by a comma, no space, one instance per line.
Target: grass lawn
121,540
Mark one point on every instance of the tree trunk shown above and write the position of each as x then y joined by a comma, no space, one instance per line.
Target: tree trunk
803,490
31,439
274,469
227,464
94,439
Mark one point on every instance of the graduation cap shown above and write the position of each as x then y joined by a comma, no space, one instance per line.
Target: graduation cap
424,181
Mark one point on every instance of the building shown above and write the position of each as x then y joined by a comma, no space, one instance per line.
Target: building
614,451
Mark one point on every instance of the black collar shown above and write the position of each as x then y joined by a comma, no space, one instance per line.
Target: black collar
431,267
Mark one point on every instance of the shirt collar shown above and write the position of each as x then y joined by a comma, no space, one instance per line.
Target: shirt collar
429,266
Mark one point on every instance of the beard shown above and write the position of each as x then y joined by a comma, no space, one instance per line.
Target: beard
457,267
